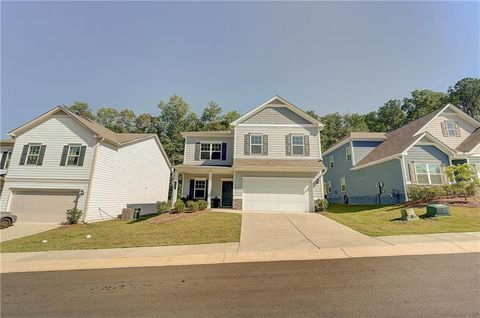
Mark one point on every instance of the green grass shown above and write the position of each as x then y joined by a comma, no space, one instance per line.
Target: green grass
385,220
199,229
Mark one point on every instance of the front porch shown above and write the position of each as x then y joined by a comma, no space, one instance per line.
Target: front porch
213,184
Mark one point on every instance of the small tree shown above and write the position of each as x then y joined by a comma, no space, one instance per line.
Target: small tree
73,215
464,180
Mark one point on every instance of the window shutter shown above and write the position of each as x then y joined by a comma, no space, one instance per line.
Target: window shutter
81,158
4,159
443,169
457,130
246,145
224,151
288,145
63,160
23,157
192,189
41,155
306,142
197,151
265,145
413,175
206,190
444,129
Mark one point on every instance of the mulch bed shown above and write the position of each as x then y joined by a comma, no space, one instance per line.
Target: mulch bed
170,217
472,202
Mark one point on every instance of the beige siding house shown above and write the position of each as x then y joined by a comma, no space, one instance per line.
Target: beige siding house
269,160
61,160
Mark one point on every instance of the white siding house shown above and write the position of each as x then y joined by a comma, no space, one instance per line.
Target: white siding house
61,160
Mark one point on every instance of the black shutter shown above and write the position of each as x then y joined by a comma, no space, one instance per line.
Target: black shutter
4,159
224,151
197,151
23,157
63,160
41,155
206,190
192,189
81,158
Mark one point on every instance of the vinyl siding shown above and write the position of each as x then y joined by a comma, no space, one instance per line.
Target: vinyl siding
361,148
361,185
190,151
136,173
55,132
435,129
276,114
276,140
425,154
474,160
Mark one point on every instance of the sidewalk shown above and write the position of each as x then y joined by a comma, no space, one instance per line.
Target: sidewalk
229,253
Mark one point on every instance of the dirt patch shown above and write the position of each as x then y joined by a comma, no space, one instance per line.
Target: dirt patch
171,217
472,202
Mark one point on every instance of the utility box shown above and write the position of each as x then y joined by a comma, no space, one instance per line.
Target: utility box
127,214
437,210
409,215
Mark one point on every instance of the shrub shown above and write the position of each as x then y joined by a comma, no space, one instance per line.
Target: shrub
179,206
202,205
464,180
321,205
426,193
192,206
163,206
73,215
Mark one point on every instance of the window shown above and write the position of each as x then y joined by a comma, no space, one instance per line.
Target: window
256,145
73,155
451,129
428,173
211,151
331,161
199,190
33,154
329,186
298,147
349,153
343,184
7,160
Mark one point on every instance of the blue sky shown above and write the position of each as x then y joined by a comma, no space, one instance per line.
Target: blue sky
325,56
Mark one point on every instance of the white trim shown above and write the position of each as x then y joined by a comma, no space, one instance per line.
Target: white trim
77,156
320,145
351,153
351,139
25,163
277,125
405,178
303,145
234,144
90,179
185,149
428,172
436,142
195,188
261,144
376,162
226,179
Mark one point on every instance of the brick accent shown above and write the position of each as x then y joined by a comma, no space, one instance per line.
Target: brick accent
237,204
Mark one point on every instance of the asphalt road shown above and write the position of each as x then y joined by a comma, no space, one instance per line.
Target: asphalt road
411,286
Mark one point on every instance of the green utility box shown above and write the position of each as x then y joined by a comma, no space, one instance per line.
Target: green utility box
437,210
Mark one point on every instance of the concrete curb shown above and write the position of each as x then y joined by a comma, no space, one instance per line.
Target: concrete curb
23,262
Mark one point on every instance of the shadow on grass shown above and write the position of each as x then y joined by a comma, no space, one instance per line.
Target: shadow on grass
340,208
421,217
143,218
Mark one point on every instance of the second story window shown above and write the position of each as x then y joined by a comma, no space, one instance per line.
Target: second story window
256,144
33,154
73,155
450,129
331,161
298,146
5,159
348,153
211,151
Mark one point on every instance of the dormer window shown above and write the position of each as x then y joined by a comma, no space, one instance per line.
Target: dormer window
450,129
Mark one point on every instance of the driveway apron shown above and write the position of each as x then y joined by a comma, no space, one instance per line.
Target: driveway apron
21,229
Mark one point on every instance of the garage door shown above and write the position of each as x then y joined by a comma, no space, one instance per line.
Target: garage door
32,206
276,194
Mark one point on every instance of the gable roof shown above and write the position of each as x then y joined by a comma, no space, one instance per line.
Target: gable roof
470,143
401,139
95,128
365,135
279,100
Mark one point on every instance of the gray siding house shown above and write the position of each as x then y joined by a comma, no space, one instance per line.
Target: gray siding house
377,168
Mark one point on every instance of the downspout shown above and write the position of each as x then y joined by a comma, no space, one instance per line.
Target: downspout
404,176
90,180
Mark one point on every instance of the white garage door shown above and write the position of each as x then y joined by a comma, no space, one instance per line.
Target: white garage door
39,206
276,194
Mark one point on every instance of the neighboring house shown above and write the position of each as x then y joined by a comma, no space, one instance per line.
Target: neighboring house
61,160
269,160
373,168
6,147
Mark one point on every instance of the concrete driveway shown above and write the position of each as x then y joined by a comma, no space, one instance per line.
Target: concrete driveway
21,229
284,231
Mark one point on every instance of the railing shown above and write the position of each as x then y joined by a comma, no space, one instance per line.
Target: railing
100,211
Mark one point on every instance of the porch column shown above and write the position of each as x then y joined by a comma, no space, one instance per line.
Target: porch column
174,187
209,195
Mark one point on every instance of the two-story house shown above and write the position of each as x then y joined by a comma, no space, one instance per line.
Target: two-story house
377,168
269,160
6,147
61,160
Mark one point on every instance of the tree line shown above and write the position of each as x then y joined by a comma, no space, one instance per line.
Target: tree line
176,115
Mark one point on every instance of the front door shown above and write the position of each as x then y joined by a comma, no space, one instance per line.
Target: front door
227,193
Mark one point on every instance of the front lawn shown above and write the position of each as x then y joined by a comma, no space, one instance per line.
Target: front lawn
198,228
385,220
